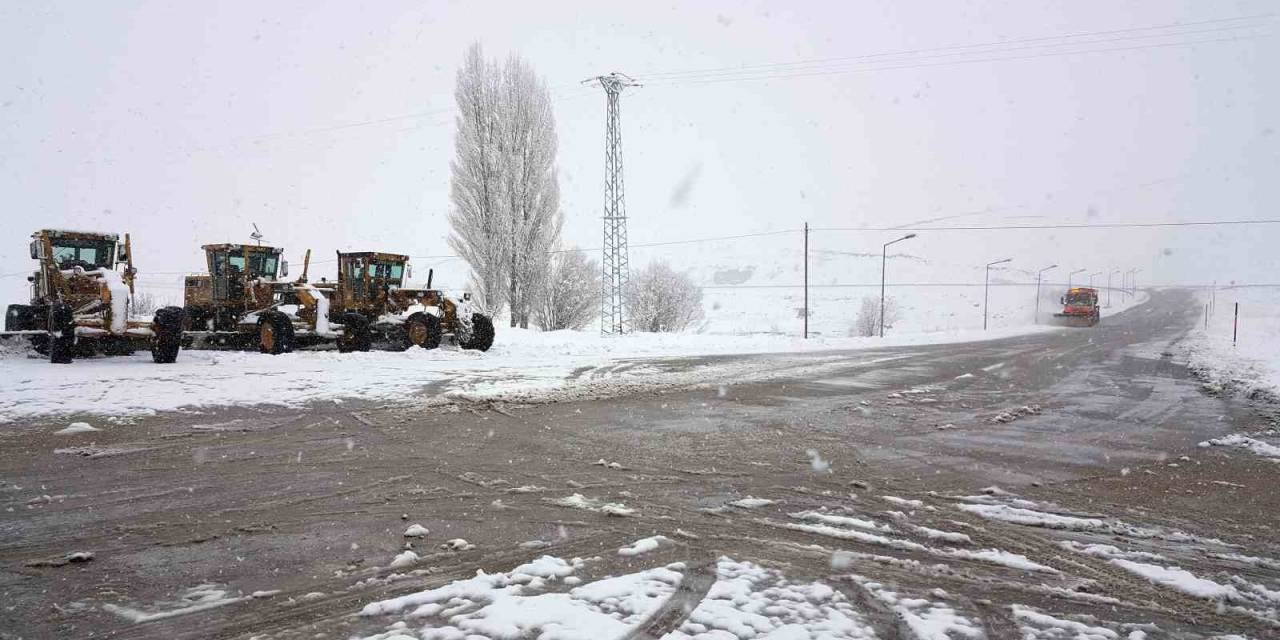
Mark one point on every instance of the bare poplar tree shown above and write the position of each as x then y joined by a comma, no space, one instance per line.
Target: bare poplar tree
479,220
530,185
662,299
571,298
505,191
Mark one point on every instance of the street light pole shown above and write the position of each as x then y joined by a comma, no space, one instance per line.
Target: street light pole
1091,278
986,287
1038,274
1109,274
1072,274
884,258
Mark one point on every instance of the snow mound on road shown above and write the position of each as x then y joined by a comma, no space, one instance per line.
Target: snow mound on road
76,427
579,501
644,545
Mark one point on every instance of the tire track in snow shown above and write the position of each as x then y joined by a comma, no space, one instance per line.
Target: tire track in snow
693,588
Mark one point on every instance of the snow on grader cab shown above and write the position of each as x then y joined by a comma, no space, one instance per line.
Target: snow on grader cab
81,300
243,303
1079,308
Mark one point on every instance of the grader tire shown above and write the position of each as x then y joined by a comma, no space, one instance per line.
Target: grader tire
355,333
275,333
20,317
423,330
166,334
481,337
62,334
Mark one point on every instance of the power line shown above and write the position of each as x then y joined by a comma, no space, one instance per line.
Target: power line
666,243
1092,225
656,76
876,285
838,71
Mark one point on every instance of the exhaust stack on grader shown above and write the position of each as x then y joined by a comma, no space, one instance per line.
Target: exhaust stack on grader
81,301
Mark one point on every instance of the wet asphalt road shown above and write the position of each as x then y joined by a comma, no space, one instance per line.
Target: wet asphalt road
313,502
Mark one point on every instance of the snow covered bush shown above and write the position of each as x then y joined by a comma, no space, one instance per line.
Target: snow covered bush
867,322
662,299
571,298
145,304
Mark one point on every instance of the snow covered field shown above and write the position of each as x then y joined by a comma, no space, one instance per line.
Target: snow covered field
523,365
1252,365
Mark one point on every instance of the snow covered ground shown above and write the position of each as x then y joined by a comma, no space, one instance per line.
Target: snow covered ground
550,597
1252,365
523,365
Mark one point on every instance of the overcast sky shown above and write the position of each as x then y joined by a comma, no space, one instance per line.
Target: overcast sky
330,124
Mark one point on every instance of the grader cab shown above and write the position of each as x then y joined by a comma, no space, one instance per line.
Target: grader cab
81,299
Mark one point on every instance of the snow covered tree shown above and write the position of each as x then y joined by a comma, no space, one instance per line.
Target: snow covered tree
571,298
662,299
867,322
505,191
530,185
479,220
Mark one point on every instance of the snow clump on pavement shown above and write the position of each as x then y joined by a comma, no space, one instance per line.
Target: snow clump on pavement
76,427
404,559
579,501
751,503
644,545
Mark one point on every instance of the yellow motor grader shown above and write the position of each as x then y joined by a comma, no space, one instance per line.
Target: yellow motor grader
81,299
243,303
370,298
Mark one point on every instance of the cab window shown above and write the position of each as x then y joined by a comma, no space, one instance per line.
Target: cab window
88,256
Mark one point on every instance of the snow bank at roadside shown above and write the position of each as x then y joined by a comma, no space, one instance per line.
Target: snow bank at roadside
1250,367
523,366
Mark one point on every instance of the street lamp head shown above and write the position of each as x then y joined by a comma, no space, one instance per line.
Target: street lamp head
906,237
1000,261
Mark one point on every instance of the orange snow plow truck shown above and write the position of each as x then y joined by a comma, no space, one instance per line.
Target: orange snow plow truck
1079,308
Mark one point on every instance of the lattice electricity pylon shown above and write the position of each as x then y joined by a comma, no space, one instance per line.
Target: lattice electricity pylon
616,269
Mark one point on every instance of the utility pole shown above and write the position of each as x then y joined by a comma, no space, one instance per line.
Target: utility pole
986,286
616,268
1038,274
806,281
884,258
